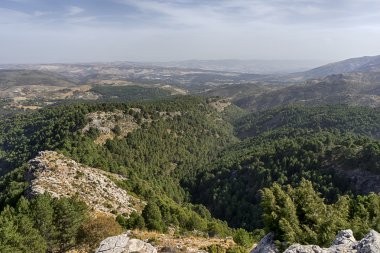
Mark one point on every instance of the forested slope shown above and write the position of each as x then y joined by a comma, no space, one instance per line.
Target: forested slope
170,141
335,147
231,188
356,119
183,157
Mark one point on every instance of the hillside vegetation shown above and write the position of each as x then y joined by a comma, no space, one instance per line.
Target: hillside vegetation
230,189
358,120
130,93
201,166
174,139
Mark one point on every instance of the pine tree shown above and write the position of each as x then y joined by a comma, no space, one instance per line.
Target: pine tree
69,215
279,214
42,207
152,217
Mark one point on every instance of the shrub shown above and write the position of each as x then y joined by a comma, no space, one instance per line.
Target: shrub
96,229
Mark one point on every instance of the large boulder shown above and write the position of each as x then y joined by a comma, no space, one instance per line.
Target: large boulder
343,243
124,244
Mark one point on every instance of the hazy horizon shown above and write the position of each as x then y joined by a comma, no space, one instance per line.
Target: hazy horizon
82,31
172,61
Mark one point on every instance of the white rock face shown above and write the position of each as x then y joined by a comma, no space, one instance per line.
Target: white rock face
124,244
59,176
343,243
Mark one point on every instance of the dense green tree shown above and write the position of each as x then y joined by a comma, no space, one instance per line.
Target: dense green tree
42,206
195,222
152,217
243,238
68,217
280,214
134,221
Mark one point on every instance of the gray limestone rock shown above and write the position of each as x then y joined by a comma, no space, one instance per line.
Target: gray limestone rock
298,248
370,243
343,243
344,237
124,244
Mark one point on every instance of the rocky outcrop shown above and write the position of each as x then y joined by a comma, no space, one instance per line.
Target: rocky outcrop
59,176
124,244
266,245
344,237
106,122
345,242
370,243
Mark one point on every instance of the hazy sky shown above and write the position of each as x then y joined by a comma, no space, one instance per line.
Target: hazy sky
163,30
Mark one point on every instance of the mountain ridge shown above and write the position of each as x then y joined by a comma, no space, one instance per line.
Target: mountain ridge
358,64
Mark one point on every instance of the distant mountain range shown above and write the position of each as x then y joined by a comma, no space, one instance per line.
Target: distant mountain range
122,73
353,89
361,64
354,81
264,67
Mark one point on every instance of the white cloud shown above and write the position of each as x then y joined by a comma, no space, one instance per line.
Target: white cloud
74,10
182,29
8,16
41,13
242,12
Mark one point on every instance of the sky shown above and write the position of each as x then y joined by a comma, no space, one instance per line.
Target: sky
47,31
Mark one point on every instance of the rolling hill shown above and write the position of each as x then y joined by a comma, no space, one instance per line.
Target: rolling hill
352,88
16,77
